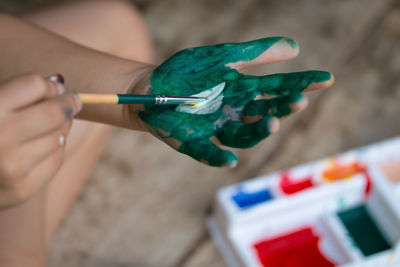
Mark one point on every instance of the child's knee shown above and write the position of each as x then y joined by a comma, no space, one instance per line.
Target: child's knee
133,38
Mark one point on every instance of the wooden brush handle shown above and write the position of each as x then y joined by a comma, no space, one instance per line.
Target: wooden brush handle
98,98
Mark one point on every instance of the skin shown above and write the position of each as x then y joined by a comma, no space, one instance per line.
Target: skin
87,70
250,105
31,124
37,206
238,123
26,229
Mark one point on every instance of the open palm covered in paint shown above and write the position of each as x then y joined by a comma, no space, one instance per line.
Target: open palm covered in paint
240,110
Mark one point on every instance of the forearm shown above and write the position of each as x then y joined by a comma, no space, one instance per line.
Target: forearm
28,48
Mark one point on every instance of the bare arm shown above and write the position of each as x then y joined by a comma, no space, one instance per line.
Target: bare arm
25,47
28,163
245,110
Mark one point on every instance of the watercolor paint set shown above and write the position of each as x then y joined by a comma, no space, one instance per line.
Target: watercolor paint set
340,211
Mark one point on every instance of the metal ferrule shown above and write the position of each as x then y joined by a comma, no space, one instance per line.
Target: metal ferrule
161,99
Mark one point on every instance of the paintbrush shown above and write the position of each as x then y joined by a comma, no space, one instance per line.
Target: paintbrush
138,99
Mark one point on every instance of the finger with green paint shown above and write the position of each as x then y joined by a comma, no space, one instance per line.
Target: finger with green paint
240,110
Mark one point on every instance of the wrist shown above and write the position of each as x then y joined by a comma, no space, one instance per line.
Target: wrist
118,77
140,86
139,80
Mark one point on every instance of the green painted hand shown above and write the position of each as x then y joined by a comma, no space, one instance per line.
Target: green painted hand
240,110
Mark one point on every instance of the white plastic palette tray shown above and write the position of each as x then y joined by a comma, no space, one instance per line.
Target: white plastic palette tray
275,218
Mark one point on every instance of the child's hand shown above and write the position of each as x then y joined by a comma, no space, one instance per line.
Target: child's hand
34,122
248,108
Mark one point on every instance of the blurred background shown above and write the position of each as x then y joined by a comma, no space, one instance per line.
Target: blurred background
145,204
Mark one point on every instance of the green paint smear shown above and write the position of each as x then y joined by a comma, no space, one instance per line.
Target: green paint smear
278,107
194,70
364,230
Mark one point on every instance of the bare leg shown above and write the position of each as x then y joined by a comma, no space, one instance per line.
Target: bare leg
110,26
22,234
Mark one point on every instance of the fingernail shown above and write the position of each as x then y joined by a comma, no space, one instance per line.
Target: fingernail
78,102
273,125
232,161
68,112
59,80
332,80
299,104
61,140
292,43
232,164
